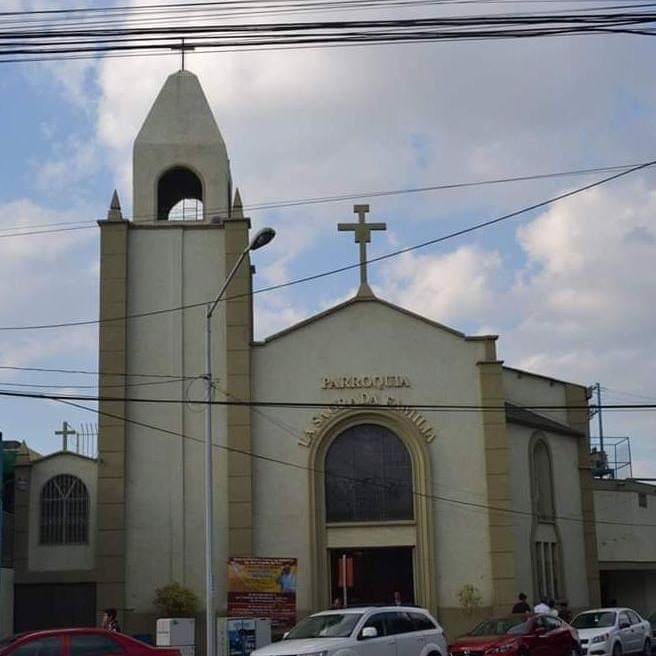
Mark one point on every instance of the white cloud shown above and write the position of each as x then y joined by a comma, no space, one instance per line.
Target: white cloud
455,287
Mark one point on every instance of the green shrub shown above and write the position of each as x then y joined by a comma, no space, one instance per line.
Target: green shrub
469,597
174,600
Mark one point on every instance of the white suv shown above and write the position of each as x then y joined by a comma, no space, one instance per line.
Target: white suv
612,632
371,631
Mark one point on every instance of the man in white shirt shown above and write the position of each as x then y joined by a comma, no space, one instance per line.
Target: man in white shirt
542,608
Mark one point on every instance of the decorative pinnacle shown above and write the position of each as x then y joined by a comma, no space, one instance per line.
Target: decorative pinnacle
114,213
237,206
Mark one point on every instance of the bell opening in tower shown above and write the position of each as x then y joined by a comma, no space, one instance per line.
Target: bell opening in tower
179,196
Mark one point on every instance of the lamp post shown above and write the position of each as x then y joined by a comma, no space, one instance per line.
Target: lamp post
261,238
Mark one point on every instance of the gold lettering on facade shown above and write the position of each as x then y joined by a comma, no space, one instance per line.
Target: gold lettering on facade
364,382
320,419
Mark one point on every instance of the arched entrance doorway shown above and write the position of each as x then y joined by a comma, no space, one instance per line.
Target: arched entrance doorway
373,517
368,480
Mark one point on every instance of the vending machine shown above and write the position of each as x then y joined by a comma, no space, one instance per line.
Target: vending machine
239,636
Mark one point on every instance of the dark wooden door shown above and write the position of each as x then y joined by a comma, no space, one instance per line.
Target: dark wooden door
54,605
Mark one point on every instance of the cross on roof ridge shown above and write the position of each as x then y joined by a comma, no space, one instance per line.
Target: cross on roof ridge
362,233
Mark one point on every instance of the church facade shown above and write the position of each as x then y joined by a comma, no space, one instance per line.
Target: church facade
457,511
452,499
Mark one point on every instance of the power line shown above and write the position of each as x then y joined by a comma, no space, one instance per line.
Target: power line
314,200
304,405
313,33
319,472
97,373
331,272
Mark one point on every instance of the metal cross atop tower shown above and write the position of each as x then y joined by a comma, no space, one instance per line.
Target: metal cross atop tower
362,232
65,432
182,48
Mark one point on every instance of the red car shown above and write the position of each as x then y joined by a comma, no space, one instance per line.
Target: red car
538,635
79,642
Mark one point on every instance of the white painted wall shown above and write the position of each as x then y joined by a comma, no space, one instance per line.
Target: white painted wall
70,556
371,338
567,493
626,533
171,265
6,602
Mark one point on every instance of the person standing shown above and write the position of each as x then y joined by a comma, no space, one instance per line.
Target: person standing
397,598
521,606
564,612
542,608
109,622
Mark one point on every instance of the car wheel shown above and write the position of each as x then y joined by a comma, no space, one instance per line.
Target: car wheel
647,650
617,649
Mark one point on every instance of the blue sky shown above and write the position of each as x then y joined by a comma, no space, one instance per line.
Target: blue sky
569,289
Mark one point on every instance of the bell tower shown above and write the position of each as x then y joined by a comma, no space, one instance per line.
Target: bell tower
157,273
179,154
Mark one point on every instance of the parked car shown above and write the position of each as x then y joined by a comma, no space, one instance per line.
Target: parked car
369,631
79,642
651,618
538,635
613,632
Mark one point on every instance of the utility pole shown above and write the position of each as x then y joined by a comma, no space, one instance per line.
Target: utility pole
262,238
597,387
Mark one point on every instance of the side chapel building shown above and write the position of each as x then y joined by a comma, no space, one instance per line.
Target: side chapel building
426,502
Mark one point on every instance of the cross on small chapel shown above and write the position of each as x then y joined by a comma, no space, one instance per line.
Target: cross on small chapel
183,48
362,235
65,432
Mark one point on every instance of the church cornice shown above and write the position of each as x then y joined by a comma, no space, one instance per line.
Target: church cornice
517,415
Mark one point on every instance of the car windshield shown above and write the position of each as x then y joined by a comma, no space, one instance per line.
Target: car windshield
600,620
333,625
513,625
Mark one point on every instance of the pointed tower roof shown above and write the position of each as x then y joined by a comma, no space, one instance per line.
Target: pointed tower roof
179,154
181,115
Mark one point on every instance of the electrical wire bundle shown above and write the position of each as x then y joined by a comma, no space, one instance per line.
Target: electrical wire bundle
210,26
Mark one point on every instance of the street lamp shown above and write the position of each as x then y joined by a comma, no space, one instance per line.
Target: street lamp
261,238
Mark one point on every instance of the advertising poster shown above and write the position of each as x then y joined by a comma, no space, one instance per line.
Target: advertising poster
263,587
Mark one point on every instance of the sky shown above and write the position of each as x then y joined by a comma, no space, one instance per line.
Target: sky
569,288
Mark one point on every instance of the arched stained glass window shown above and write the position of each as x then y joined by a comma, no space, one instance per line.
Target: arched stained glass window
64,511
368,475
543,481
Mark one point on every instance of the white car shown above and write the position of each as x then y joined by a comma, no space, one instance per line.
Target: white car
612,632
370,631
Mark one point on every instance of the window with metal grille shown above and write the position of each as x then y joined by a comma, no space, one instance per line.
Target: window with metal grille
368,476
64,511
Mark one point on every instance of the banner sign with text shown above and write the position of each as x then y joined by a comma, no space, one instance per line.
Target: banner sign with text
263,587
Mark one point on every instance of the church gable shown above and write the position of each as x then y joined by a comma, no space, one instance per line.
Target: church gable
358,299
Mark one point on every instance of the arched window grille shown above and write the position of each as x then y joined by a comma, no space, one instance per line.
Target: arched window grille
64,511
368,477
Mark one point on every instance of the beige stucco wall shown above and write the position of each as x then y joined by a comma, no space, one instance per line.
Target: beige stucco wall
369,338
526,389
626,533
6,602
168,266
567,493
62,557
